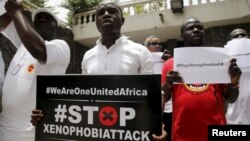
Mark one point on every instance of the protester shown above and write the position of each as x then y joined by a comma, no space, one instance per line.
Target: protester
39,54
114,53
195,106
153,45
239,112
238,33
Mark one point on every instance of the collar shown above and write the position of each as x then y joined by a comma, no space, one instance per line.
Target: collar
120,40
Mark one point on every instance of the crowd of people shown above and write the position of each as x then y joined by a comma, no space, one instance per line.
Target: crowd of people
187,112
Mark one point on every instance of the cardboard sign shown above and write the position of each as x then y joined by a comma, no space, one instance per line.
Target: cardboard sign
99,107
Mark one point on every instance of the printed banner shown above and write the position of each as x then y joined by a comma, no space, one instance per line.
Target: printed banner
99,107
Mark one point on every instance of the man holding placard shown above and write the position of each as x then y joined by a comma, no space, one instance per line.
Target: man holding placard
238,112
195,106
114,53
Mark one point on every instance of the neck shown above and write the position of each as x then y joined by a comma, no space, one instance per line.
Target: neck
193,45
109,40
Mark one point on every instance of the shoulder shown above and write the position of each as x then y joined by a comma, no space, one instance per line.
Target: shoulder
58,42
92,52
170,61
136,47
134,44
169,64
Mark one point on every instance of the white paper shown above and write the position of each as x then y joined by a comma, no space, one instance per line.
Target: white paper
240,49
199,65
158,62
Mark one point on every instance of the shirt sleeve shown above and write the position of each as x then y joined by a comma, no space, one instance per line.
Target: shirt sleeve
147,63
84,71
168,66
58,51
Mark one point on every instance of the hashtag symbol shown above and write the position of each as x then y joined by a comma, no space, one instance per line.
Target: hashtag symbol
60,113
48,90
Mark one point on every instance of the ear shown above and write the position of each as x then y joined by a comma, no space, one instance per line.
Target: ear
123,20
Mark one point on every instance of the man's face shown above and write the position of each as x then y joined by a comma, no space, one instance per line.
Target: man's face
45,25
193,33
238,33
109,18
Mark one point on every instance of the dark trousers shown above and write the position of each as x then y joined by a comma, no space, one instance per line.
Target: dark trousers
167,120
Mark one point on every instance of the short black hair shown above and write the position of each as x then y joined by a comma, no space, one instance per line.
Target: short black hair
112,2
189,20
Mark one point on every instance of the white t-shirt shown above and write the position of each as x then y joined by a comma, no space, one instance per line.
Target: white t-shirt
239,111
158,62
124,57
19,90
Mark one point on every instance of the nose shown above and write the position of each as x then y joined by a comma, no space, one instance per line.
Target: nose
196,29
106,13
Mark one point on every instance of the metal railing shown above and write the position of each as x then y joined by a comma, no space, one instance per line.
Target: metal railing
138,7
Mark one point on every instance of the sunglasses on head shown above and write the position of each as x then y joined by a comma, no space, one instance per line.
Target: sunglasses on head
154,43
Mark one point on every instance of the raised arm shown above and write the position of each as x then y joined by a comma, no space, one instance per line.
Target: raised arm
33,42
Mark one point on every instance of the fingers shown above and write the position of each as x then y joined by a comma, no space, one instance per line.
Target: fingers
233,60
165,56
36,116
234,71
174,76
11,6
162,137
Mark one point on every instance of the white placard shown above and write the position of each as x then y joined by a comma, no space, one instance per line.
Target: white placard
240,49
199,65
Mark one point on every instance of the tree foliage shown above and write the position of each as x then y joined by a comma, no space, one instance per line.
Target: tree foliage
39,3
79,5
